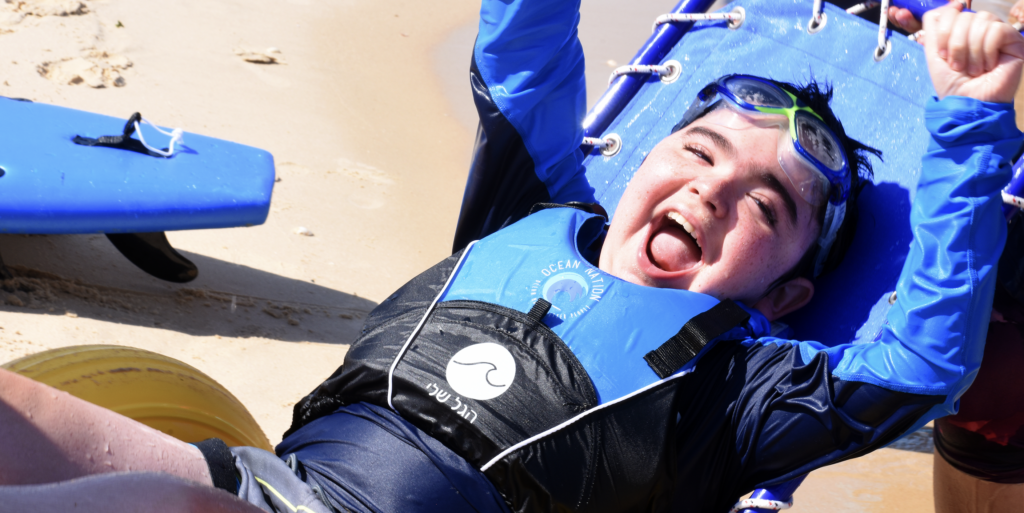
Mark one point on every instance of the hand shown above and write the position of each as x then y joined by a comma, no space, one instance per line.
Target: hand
972,54
1017,11
905,20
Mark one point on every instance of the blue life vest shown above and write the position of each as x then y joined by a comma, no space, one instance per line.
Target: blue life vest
608,323
538,368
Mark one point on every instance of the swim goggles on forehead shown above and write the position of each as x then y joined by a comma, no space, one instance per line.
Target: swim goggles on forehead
809,153
811,145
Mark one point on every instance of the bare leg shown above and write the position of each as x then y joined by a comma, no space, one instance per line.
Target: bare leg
956,492
138,492
47,436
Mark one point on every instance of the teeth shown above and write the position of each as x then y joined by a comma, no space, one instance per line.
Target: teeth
678,218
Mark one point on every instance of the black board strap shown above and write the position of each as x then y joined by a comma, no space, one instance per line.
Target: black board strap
693,336
121,142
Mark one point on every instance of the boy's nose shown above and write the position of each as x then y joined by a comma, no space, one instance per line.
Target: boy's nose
712,193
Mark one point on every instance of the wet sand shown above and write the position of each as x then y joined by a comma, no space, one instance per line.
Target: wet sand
370,121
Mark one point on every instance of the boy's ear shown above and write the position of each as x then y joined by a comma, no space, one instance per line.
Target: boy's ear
786,298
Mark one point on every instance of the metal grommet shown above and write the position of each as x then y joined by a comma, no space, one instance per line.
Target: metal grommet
735,24
3,171
892,298
815,26
674,70
882,53
613,143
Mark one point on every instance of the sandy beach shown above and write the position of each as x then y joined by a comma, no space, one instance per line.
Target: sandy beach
365,106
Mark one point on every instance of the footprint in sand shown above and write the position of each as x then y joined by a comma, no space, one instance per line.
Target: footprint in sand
367,186
13,12
97,69
373,184
47,7
269,56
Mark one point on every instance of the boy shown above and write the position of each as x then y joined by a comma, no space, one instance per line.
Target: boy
544,368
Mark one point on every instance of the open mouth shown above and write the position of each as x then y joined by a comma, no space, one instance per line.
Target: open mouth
673,245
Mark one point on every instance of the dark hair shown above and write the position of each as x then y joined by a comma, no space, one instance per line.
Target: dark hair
817,97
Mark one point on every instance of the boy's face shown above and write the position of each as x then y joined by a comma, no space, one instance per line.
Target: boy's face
747,224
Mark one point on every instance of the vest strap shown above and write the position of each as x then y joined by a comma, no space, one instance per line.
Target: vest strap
538,311
694,335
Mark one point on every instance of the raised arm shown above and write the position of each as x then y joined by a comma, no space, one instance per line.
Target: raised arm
852,399
796,406
933,340
529,89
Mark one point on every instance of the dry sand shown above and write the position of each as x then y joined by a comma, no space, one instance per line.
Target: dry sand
365,106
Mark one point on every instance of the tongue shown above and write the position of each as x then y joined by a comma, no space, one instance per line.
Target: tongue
672,249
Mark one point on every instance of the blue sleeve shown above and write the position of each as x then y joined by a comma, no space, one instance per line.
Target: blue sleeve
934,335
770,410
529,89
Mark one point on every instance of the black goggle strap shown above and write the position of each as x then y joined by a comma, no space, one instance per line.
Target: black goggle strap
705,97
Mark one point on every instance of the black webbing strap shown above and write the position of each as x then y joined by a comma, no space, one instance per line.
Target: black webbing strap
538,311
693,336
121,142
221,463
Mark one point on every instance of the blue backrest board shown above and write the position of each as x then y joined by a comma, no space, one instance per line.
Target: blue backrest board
880,103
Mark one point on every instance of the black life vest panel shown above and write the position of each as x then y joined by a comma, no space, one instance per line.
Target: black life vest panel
542,435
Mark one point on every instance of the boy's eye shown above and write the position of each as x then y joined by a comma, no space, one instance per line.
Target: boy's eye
700,152
766,210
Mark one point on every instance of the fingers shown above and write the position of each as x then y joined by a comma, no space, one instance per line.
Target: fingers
980,25
1017,11
991,46
969,42
1001,39
1009,40
957,43
972,54
904,19
938,25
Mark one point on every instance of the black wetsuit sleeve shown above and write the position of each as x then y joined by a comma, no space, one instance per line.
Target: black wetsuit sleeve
759,416
502,185
530,93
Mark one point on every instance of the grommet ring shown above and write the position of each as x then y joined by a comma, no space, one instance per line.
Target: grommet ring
815,25
881,53
892,298
612,145
674,70
609,144
735,24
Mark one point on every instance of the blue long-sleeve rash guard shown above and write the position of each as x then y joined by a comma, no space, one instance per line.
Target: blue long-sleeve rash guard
764,411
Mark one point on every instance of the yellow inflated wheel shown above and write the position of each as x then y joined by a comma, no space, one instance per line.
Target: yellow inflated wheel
156,390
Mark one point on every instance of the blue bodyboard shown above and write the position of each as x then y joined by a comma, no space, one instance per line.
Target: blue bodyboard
52,185
880,103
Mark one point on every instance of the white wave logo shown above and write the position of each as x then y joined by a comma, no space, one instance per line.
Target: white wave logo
481,371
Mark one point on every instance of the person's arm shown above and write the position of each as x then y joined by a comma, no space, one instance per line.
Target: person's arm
795,406
529,89
933,339
138,492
